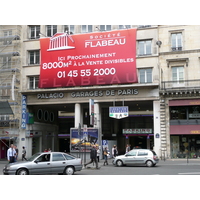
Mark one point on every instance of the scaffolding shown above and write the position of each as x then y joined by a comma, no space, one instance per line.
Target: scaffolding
10,64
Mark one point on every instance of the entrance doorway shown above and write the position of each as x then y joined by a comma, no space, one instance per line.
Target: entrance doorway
64,145
138,141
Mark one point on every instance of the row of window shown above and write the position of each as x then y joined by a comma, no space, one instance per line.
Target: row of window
34,31
144,46
144,74
184,112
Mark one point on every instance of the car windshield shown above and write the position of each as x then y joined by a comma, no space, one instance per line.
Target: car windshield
33,157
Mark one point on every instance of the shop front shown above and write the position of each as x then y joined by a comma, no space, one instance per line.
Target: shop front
185,128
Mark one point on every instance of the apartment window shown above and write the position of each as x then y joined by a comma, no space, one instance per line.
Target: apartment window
145,75
33,82
34,57
86,28
105,27
69,29
6,90
178,112
178,74
34,32
176,41
124,26
144,47
144,26
5,62
51,30
7,41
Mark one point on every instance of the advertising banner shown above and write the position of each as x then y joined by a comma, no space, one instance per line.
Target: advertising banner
84,141
96,58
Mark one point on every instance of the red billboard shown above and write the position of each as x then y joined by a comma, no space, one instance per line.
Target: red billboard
98,58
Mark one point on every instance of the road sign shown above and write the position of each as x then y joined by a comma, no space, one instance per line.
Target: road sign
118,112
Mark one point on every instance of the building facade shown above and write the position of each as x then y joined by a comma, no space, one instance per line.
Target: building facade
179,90
10,81
160,64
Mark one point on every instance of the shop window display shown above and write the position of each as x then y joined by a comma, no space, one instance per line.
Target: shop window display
185,146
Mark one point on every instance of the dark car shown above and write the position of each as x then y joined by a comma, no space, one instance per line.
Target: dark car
45,163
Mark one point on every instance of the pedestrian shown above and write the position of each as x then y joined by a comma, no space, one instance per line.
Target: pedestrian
16,155
93,157
24,154
127,148
11,154
114,151
49,150
98,153
105,154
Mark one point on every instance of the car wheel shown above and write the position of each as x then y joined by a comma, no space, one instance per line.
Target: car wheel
22,172
119,163
149,163
69,171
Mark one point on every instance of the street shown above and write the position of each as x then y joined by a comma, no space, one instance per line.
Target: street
168,167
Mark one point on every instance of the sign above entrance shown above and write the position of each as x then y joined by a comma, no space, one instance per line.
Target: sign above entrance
98,58
137,131
118,112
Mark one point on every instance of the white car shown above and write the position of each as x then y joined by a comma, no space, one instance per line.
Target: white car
137,157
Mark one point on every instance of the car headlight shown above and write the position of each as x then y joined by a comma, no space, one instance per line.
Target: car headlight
7,167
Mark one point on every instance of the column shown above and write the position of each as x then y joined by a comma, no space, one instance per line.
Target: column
77,115
157,136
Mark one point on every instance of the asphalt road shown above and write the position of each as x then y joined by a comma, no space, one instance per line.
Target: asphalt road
168,167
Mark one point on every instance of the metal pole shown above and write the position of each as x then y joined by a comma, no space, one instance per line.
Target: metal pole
79,132
85,153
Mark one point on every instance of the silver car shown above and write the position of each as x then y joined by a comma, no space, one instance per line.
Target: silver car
45,163
137,157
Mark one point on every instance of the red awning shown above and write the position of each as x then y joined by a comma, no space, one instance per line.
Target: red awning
184,129
184,102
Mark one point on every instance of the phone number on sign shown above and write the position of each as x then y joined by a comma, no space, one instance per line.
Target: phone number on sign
87,72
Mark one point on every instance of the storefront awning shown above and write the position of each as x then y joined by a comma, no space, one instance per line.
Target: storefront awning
5,108
184,102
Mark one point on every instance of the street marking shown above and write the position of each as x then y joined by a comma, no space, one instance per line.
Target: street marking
189,173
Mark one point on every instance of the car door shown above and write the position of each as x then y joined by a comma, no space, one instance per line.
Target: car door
42,164
58,163
130,157
141,156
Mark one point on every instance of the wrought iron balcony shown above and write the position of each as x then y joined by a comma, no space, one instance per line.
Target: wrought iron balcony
192,86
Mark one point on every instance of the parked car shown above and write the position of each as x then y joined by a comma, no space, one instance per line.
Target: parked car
137,157
45,163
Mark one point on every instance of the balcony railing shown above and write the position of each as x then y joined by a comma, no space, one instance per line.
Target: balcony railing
184,85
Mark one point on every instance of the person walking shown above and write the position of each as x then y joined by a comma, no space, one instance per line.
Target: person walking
105,154
24,154
114,151
98,153
127,148
93,157
16,155
11,154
